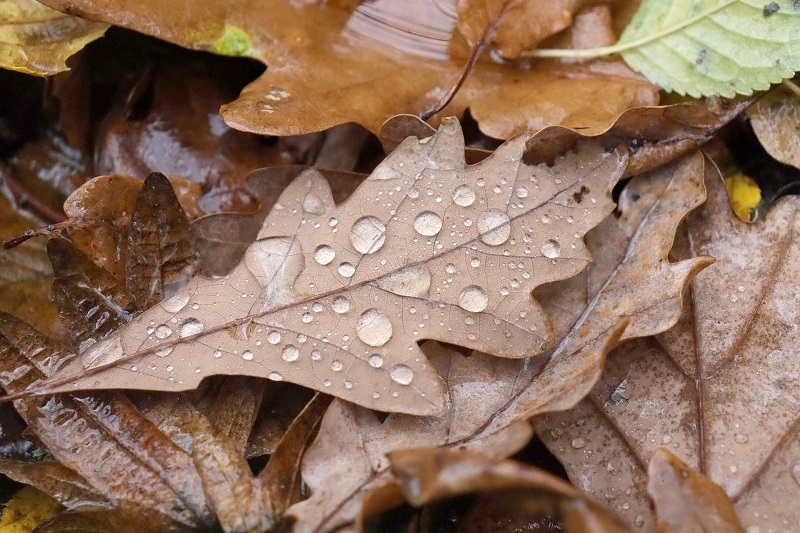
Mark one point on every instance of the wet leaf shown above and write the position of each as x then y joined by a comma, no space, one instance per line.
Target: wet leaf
717,390
723,47
56,480
329,64
26,509
685,500
775,118
38,40
360,272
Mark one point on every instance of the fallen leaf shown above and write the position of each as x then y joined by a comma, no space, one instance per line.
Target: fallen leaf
26,509
51,477
329,64
775,118
685,500
491,399
38,40
717,390
361,271
511,495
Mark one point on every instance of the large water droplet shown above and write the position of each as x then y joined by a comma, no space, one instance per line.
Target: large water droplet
401,374
190,326
175,303
375,361
312,204
473,299
290,353
274,337
551,249
324,254
163,331
274,376
341,304
494,227
411,281
464,195
428,223
374,328
346,270
368,235
247,355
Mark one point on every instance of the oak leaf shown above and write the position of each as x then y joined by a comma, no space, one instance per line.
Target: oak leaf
717,390
336,298
329,64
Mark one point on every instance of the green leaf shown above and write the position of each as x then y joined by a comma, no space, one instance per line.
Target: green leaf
713,47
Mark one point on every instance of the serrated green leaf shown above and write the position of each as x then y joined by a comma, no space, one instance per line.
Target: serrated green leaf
35,39
714,47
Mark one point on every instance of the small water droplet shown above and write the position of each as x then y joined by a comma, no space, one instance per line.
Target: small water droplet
312,204
473,299
247,355
638,521
741,438
375,361
337,366
412,281
545,219
733,469
413,193
150,330
464,196
332,222
274,337
341,304
374,328
551,249
217,353
504,291
494,227
307,317
475,262
428,223
326,382
740,288
626,506
348,384
163,331
496,189
734,298
401,374
274,376
376,395
367,235
346,270
175,303
450,268
666,439
324,254
578,443
190,326
170,368
522,192
164,351
290,353
316,355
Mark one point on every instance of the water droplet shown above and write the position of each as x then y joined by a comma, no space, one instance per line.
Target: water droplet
740,438
733,469
473,299
337,366
247,355
217,353
170,368
413,193
274,376
494,227
375,361
376,395
190,326
274,337
666,439
316,355
290,353
348,384
522,192
638,521
367,235
578,443
346,270
740,288
401,374
545,219
150,330
341,304
312,204
175,303
307,317
475,262
164,351
551,249
411,281
734,298
374,328
163,331
796,473
332,222
324,254
450,268
428,223
464,195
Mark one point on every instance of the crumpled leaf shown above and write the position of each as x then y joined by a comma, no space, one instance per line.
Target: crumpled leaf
708,47
38,40
490,399
717,390
685,500
507,491
329,64
775,118
407,257
51,477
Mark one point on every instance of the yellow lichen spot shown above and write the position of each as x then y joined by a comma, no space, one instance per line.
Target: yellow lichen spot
27,509
745,195
234,42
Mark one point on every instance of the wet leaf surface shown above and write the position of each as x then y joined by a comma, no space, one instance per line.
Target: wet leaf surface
715,390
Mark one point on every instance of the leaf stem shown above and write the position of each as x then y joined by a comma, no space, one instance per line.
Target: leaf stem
591,53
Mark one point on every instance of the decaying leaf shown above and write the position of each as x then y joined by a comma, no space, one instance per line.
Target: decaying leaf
717,390
490,399
331,63
38,40
26,509
336,298
776,121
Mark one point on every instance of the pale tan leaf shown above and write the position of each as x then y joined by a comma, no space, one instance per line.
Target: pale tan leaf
718,390
775,118
336,298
